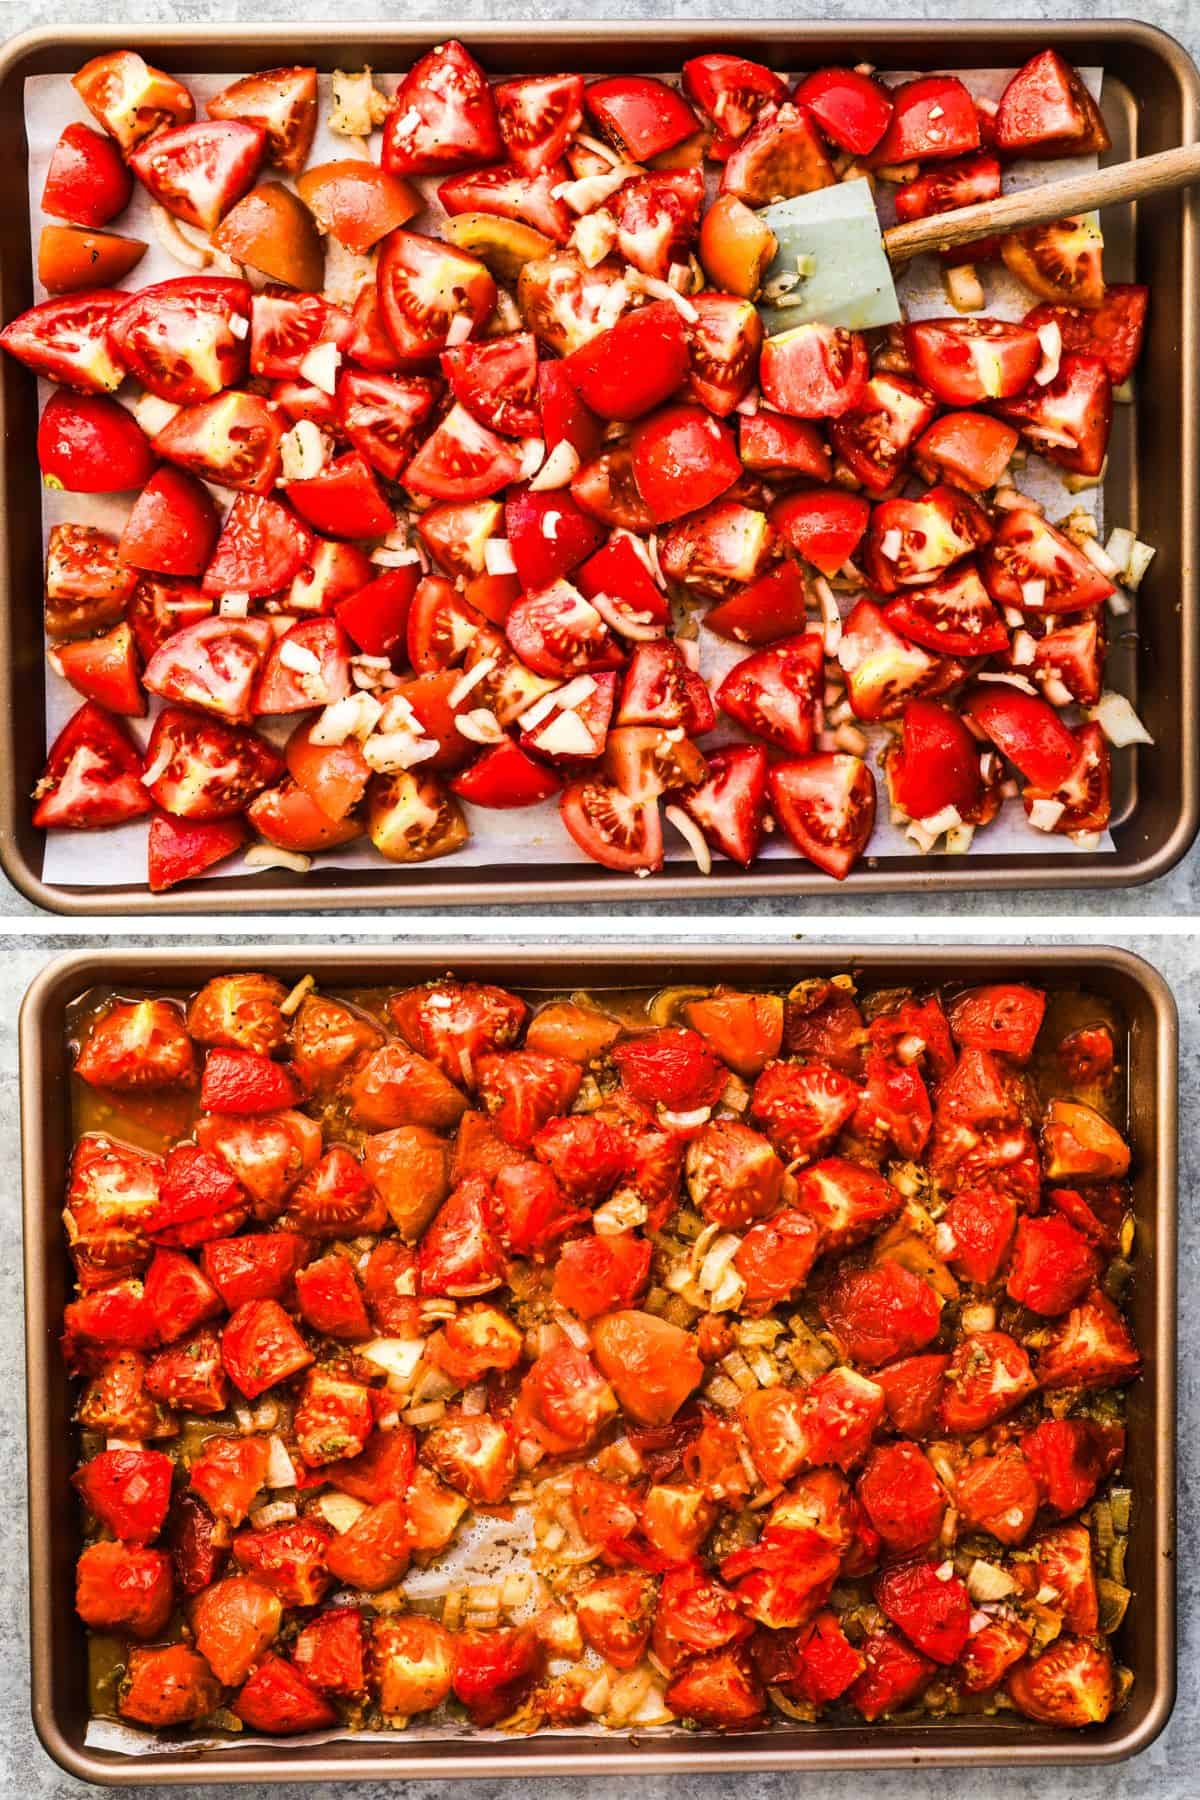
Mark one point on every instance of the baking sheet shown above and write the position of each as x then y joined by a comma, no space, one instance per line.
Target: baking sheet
117,856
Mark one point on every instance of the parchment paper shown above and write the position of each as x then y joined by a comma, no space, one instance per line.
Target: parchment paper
532,834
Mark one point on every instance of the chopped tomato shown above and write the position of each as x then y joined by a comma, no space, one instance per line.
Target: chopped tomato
933,119
814,371
92,775
781,155
423,284
823,525
92,445
1047,111
179,339
826,804
729,805
130,98
875,437
1067,420
173,526
538,116
852,109
642,116
1031,565
970,450
442,116
1061,262
67,340
964,361
936,764
197,171
731,91
1112,331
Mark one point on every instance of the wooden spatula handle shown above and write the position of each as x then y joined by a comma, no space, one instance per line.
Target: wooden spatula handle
1050,200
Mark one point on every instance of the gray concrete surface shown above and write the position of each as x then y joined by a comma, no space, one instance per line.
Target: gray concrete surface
1177,892
1169,1770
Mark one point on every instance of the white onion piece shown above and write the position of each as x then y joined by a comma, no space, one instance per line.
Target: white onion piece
694,837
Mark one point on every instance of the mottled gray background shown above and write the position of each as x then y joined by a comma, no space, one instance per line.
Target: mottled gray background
1169,1770
1176,893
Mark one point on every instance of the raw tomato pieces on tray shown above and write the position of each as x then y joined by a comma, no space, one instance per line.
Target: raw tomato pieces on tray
909,1492
471,457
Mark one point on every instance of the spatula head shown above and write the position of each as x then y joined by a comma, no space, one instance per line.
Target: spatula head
834,237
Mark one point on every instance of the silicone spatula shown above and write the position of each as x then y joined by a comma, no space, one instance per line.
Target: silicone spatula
835,262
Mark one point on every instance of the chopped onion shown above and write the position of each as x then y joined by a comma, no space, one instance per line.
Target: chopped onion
1023,649
298,659
662,290
1098,556
152,413
498,557
594,236
849,738
1141,556
959,839
461,326
234,606
891,544
269,856
988,1581
1118,721
339,1510
467,683
1119,603
320,366
559,469
1006,680
1045,814
626,624
295,1000
355,716
831,618
964,290
533,455
979,1317
173,241
1033,593
302,451
567,735
384,558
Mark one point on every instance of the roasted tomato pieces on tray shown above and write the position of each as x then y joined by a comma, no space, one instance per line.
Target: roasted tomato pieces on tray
785,1327
464,476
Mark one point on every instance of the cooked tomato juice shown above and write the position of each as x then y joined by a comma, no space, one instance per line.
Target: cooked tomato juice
790,1325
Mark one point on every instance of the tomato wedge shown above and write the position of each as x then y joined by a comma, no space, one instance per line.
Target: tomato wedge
683,458
538,115
633,367
826,804
280,102
130,98
1032,565
91,445
211,665
1068,420
1047,111
933,118
92,775
344,500
505,777
1025,730
964,361
1113,331
559,633
262,547
772,607
442,117
814,371
953,615
70,258
642,115
775,693
67,340
731,91
172,527
199,767
356,202
823,525
497,380
613,830
851,108
179,850
1063,262
197,171
729,805
232,439
970,450
462,460
423,284
548,534
178,338
382,415
935,764
104,669
875,437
